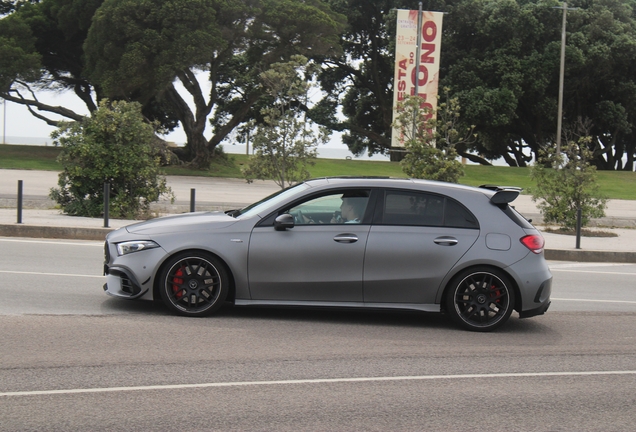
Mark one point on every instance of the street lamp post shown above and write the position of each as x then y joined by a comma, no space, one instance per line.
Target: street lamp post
561,77
417,66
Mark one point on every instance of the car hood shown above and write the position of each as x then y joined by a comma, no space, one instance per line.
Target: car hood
183,223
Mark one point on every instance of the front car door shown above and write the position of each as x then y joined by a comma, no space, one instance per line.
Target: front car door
320,259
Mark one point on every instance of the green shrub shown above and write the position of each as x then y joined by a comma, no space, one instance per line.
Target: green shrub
570,185
114,146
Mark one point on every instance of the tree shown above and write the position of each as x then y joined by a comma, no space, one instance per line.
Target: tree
18,59
145,50
359,80
45,39
138,49
285,143
601,82
565,185
430,139
113,146
501,58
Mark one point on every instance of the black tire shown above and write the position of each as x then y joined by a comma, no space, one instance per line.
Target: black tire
193,284
480,299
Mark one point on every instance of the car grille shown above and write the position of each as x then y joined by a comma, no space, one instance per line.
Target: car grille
106,253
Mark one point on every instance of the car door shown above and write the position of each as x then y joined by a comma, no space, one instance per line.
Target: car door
415,240
320,259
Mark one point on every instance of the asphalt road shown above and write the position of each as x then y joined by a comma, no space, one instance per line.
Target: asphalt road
72,358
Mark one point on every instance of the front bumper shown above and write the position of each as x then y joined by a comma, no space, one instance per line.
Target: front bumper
122,283
130,276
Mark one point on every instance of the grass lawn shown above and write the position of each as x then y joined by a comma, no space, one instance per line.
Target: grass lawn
614,184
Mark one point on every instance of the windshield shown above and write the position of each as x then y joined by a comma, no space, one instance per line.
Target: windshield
270,202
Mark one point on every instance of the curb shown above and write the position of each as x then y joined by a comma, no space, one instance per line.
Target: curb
66,233
98,234
589,256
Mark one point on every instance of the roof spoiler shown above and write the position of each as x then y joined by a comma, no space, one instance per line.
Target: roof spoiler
503,194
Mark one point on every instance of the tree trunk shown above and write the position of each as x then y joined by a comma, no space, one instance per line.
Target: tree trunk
474,158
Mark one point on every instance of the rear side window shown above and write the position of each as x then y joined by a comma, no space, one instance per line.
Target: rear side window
457,216
516,217
422,209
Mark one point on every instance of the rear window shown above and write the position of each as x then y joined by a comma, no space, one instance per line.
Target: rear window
423,209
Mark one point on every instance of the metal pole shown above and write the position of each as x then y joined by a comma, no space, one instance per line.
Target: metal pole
20,188
561,78
106,203
578,228
418,53
192,200
4,123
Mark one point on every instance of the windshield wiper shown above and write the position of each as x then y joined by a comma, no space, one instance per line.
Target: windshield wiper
233,213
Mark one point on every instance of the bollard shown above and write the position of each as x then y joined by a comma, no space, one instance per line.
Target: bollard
106,203
20,187
192,203
578,228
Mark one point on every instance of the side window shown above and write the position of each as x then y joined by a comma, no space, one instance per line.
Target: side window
413,208
422,209
336,208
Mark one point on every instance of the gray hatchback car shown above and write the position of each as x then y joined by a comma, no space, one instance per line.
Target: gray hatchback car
343,242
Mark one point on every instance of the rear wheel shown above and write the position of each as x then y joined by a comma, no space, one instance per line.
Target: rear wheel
193,284
480,299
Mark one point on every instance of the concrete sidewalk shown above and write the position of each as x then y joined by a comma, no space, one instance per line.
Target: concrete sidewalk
41,220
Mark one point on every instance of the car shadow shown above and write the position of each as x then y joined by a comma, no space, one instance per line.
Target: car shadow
322,315
332,315
119,306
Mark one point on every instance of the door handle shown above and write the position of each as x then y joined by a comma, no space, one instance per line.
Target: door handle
446,241
346,238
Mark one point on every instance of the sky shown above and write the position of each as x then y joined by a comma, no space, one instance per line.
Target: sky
19,126
19,122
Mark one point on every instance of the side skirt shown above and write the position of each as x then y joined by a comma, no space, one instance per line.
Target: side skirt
435,308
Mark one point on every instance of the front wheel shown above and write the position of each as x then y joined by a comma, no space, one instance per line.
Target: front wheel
480,299
193,284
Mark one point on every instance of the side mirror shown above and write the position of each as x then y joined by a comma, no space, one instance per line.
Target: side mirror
283,222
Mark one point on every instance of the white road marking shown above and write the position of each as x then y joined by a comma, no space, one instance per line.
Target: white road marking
315,381
50,274
563,264
54,242
594,300
590,271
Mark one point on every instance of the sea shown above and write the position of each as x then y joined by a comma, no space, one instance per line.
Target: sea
329,151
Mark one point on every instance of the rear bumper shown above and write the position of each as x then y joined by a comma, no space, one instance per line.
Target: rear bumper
534,312
542,298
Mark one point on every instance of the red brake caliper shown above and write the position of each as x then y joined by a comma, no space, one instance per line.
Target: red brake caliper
177,281
497,293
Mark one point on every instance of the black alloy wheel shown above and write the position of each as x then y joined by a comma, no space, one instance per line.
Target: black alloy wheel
480,299
194,284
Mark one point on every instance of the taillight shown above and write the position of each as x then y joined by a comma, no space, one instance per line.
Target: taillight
533,242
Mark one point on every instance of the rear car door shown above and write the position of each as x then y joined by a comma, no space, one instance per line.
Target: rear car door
416,238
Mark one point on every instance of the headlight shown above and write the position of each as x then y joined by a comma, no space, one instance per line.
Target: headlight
135,246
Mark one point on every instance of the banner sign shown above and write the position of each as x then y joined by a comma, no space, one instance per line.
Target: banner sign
406,61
